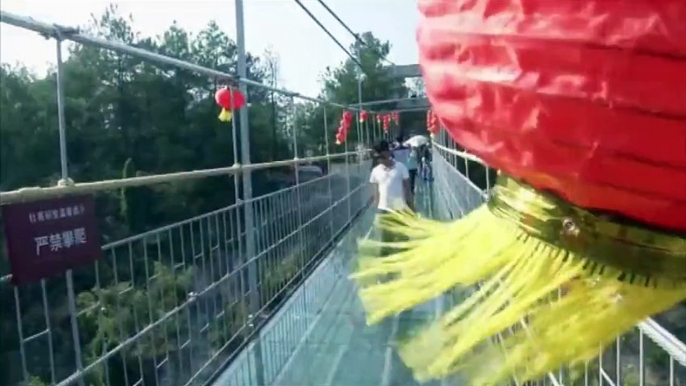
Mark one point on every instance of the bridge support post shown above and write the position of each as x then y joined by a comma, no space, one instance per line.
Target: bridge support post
64,169
248,214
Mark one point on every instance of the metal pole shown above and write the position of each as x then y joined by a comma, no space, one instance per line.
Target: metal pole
360,134
408,110
60,115
328,173
359,99
71,299
386,101
247,187
298,195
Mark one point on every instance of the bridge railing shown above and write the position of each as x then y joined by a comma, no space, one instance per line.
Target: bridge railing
650,355
176,294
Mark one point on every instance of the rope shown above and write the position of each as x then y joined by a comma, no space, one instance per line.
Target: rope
461,154
39,193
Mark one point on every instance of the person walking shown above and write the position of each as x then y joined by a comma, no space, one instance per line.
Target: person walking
403,154
391,189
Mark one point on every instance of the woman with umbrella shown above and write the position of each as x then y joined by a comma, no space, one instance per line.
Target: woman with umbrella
417,145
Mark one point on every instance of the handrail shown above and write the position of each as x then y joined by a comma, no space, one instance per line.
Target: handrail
665,339
40,193
461,154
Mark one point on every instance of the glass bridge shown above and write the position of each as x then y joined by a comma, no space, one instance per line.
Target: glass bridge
256,293
320,337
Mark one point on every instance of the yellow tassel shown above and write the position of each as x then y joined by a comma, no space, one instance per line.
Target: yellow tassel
520,249
225,115
338,142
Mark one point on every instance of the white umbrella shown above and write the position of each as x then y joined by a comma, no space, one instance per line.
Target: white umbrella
417,141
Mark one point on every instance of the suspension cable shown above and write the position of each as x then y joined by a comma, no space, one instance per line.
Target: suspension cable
319,23
355,35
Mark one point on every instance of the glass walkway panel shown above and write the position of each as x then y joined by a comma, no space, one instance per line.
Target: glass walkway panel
320,336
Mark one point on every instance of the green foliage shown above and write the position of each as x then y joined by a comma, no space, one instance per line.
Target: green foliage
119,311
34,381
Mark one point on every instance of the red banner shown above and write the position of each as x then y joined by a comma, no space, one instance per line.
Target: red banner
45,238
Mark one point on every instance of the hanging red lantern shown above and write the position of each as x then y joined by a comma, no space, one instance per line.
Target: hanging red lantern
386,122
580,105
228,99
396,117
348,117
431,123
343,127
363,116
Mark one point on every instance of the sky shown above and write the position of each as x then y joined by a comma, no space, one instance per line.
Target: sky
304,50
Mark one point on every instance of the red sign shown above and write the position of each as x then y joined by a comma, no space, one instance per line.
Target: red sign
45,238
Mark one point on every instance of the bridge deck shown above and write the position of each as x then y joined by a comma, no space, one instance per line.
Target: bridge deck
320,336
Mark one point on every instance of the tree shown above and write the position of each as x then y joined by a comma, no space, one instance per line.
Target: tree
340,85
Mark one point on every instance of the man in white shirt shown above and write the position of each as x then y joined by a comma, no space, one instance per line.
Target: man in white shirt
390,181
391,188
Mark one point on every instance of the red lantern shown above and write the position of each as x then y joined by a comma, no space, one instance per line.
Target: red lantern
228,99
395,117
434,123
363,116
386,122
596,124
343,127
431,123
348,117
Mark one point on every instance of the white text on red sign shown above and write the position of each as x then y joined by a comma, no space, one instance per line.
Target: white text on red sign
59,241
56,214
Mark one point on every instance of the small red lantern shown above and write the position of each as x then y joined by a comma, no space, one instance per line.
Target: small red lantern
431,123
363,116
343,127
348,117
386,121
228,99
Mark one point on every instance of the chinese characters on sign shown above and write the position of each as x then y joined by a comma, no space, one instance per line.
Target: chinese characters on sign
57,241
45,238
56,214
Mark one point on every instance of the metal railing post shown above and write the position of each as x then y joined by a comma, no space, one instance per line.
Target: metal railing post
298,195
247,189
360,139
328,174
71,297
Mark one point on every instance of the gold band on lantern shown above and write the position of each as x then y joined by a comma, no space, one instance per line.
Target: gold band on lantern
627,253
